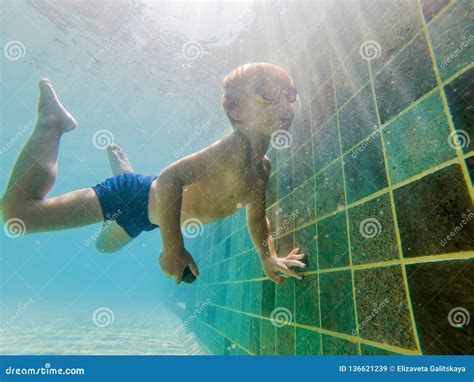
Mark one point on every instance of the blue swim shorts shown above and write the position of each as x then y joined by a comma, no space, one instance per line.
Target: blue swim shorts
124,199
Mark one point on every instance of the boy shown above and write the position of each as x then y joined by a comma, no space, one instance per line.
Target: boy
207,185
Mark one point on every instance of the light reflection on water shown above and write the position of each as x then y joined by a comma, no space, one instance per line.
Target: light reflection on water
161,334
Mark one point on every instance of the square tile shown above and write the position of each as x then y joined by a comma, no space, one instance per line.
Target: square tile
267,340
332,242
337,346
382,307
442,299
326,144
268,297
303,164
285,178
307,342
404,79
357,120
323,105
418,139
305,203
337,305
391,33
329,189
254,332
307,301
305,240
430,214
372,231
285,299
285,340
364,170
460,95
451,37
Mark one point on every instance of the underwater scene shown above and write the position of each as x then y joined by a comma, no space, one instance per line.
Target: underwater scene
303,172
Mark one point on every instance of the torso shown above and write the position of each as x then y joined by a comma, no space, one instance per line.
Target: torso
231,184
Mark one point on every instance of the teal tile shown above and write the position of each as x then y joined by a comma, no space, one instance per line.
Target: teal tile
404,79
285,340
338,346
452,36
382,307
337,305
393,31
285,298
285,178
284,216
332,242
364,170
305,203
303,163
267,341
255,332
460,95
358,119
323,105
326,144
307,301
329,189
418,139
305,240
307,342
372,231
370,350
268,297
352,75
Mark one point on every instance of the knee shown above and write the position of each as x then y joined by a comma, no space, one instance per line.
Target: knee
15,216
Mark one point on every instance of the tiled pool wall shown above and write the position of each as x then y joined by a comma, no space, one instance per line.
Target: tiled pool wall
373,188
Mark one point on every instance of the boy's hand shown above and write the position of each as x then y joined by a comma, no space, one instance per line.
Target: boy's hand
274,265
173,262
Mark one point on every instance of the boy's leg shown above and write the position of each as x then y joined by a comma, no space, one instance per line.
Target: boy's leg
35,171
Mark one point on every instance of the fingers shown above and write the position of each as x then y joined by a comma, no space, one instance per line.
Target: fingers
192,265
295,257
294,252
177,278
291,272
276,279
295,263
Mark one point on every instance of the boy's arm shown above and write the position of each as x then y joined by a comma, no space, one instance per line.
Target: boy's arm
190,169
260,232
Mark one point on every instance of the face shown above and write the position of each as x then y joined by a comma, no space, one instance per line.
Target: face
271,106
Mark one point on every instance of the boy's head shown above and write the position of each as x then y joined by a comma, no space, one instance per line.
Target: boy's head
259,96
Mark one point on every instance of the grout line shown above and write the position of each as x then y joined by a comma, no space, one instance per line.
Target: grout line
394,217
444,100
344,336
464,255
344,187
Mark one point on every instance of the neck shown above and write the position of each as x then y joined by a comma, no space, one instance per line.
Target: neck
258,141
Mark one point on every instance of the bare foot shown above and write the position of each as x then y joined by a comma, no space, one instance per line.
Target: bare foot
119,162
51,113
